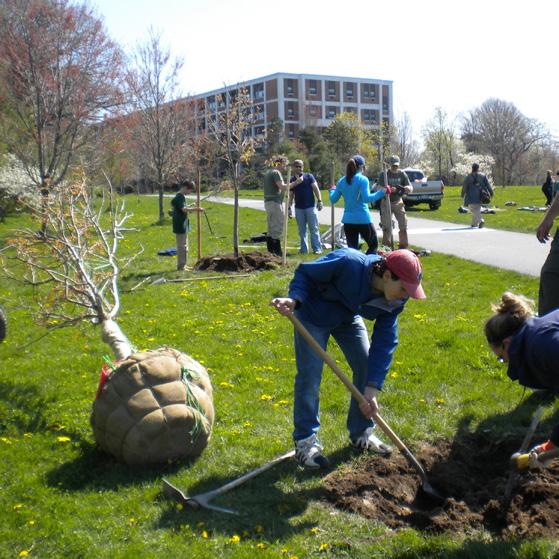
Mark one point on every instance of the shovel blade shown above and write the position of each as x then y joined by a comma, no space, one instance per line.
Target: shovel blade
431,492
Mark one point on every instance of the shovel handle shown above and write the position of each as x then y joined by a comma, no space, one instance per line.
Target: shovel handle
326,358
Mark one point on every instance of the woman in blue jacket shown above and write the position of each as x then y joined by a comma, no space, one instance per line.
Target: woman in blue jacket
357,220
330,296
529,345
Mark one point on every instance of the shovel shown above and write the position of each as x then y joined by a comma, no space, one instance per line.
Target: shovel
203,500
412,460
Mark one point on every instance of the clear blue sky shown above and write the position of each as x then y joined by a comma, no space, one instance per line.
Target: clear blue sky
453,54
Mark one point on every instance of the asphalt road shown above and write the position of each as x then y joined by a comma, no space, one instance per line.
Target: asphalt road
518,252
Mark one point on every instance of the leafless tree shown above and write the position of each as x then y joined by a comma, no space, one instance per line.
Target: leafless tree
161,119
405,145
229,127
75,268
60,73
498,128
440,140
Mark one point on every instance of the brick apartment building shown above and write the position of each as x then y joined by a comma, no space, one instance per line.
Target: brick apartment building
301,100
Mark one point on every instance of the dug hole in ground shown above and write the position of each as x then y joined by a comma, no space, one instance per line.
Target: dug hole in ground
471,471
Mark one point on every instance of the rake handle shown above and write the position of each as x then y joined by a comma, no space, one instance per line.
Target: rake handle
356,394
249,475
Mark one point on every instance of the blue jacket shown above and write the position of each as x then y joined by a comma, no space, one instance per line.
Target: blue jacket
534,353
338,286
356,197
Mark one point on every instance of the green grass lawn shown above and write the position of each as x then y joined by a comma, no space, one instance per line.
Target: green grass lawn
510,218
62,498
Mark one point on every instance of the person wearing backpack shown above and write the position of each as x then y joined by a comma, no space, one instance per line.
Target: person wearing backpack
476,191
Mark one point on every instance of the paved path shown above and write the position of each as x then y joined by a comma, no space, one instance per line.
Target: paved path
518,252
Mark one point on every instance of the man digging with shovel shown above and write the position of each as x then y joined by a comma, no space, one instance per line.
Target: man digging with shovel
330,296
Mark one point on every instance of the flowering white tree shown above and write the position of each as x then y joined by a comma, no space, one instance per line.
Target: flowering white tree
465,161
15,182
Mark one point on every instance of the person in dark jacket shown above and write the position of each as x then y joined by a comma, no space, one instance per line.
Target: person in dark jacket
549,274
471,192
529,345
330,296
179,212
547,188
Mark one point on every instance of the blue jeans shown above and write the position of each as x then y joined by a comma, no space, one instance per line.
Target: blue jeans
309,217
353,340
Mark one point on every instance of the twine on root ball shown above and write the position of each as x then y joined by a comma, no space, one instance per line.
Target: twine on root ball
154,406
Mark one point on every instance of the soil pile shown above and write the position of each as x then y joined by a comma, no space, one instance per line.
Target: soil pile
246,262
471,472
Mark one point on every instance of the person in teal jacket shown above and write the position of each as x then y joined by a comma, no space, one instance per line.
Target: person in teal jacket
330,296
357,220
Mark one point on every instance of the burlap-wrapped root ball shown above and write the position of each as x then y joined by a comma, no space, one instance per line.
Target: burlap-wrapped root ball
154,406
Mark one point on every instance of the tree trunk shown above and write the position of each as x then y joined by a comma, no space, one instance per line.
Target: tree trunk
113,336
236,211
161,212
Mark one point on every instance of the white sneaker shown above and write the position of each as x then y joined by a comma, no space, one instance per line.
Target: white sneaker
368,441
308,452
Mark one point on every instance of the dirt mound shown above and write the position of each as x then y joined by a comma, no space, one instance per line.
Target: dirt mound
471,472
246,262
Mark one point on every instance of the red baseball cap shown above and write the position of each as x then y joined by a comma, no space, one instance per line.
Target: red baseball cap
405,264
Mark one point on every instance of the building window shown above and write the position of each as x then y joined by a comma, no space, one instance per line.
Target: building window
289,87
369,91
331,89
349,91
330,112
313,90
290,111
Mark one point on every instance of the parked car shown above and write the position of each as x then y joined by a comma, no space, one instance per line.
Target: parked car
424,191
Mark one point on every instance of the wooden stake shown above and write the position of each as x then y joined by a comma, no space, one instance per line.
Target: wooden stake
332,210
198,218
386,202
285,220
